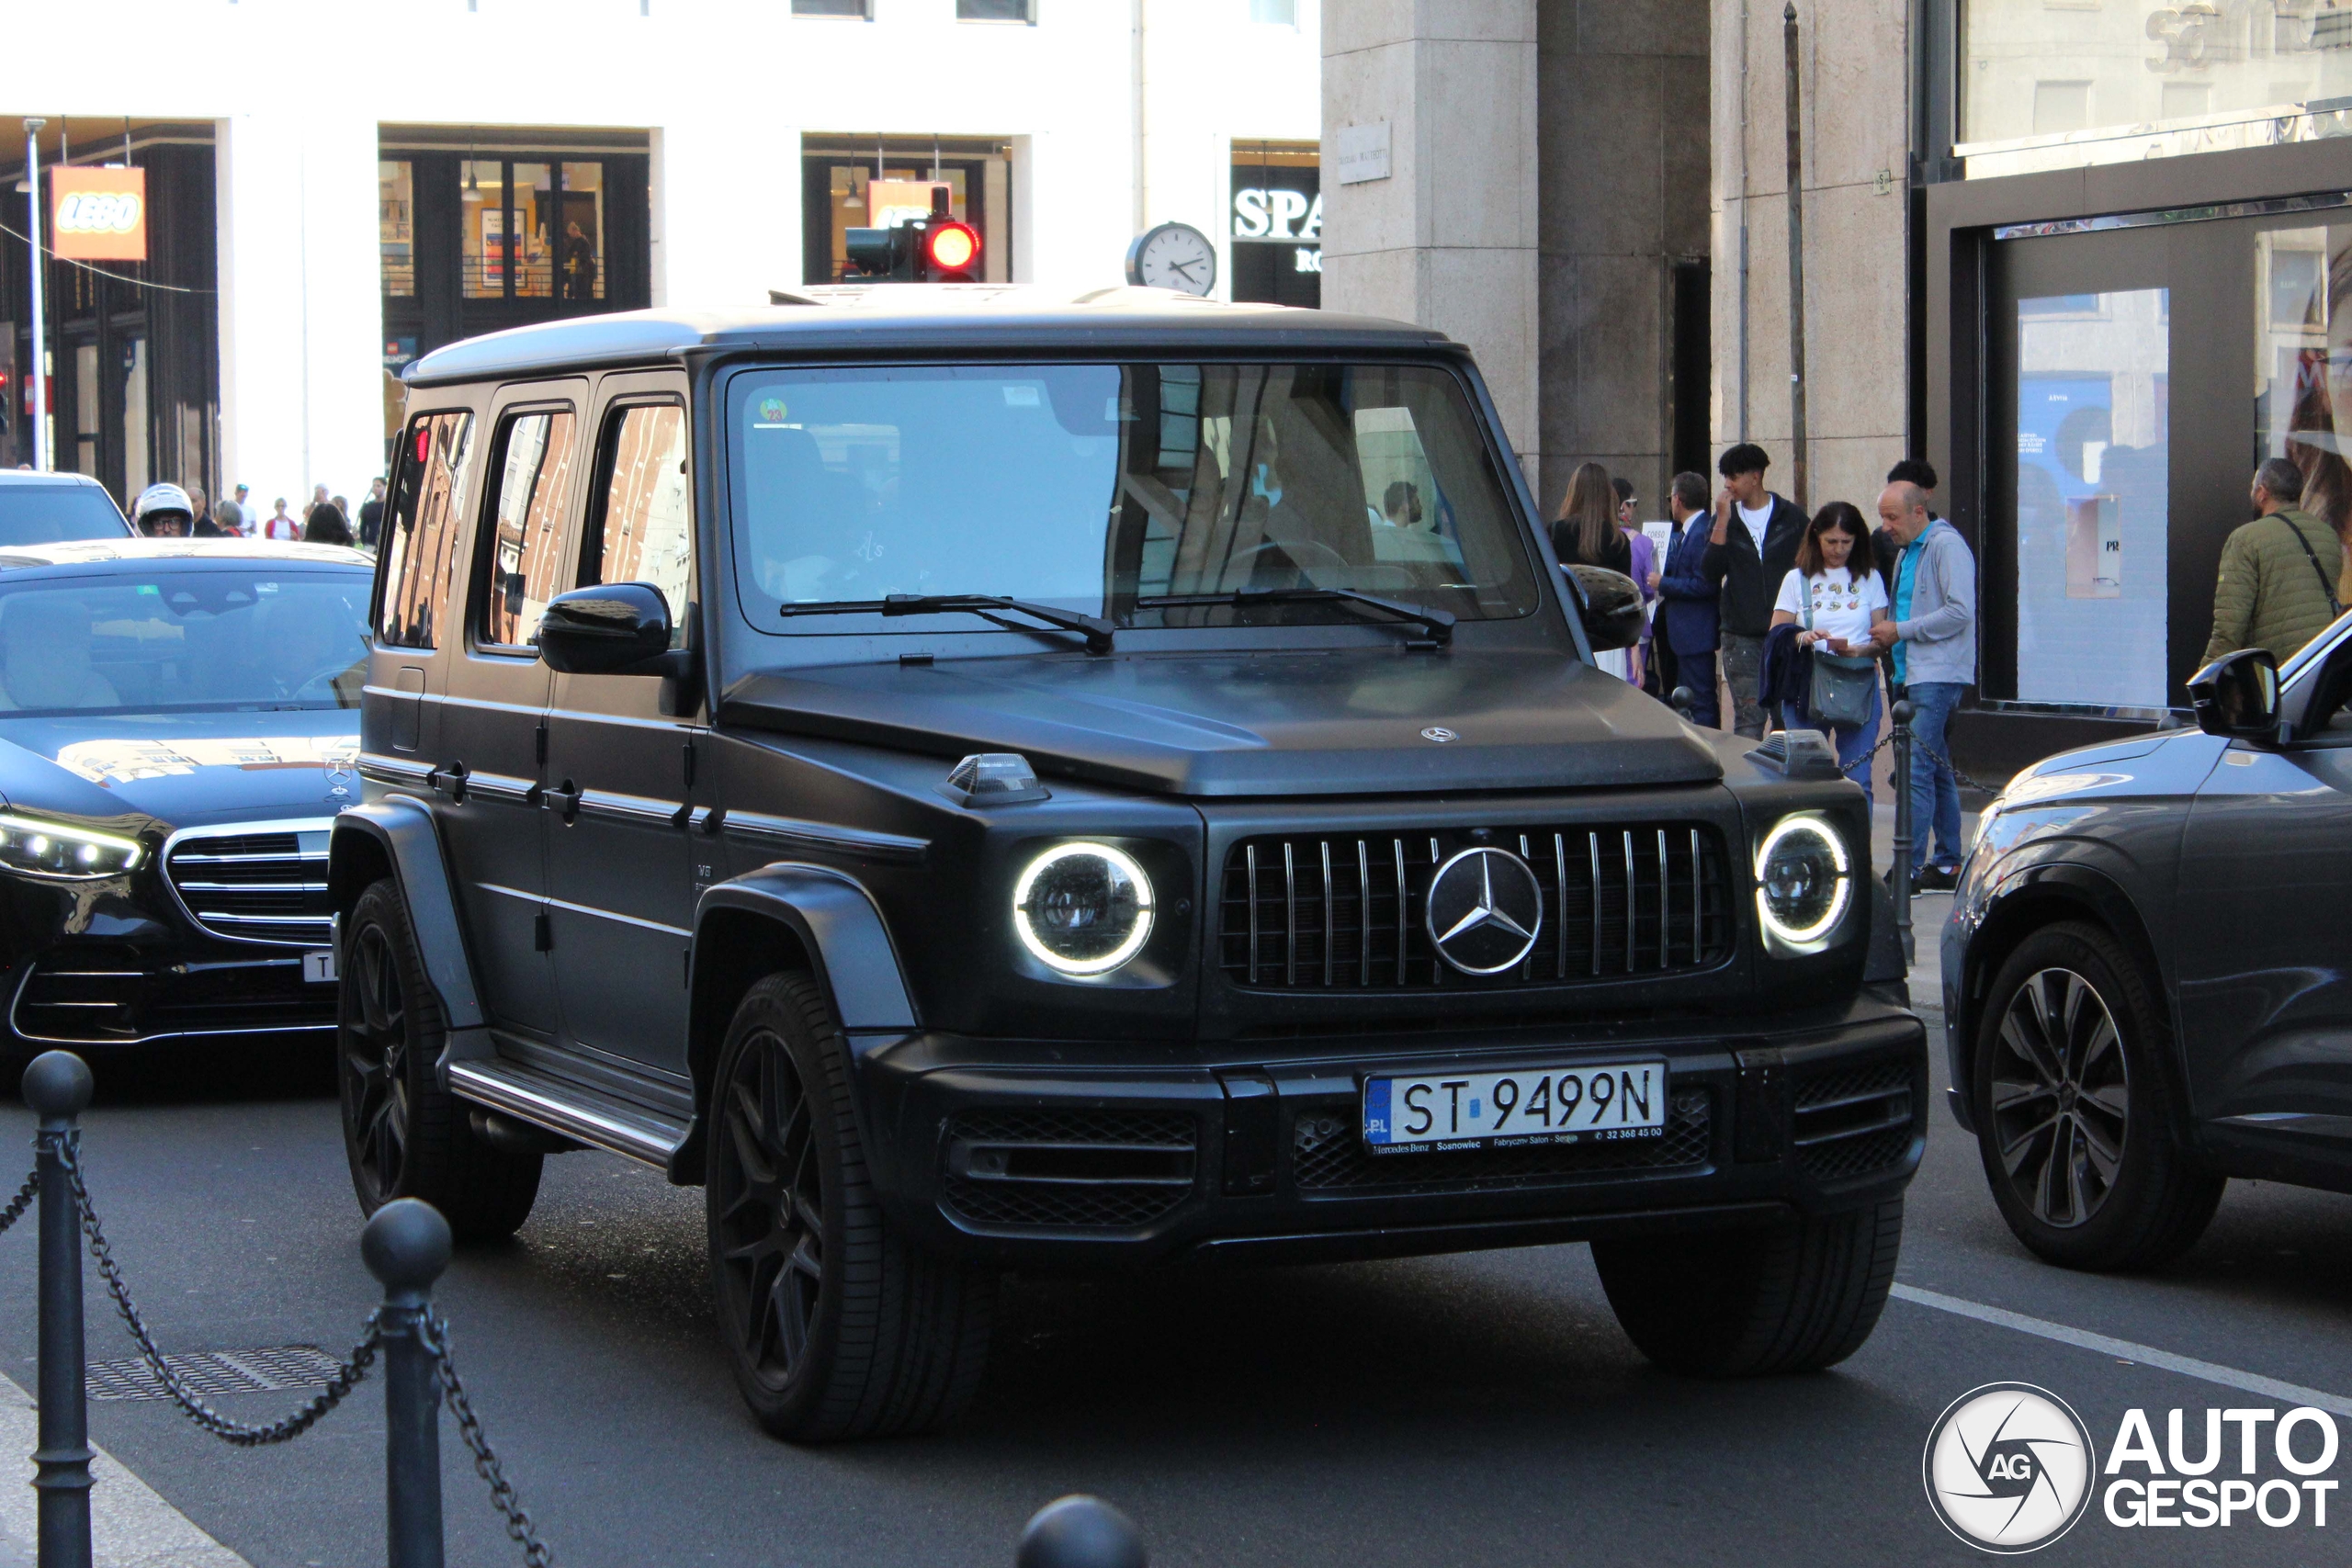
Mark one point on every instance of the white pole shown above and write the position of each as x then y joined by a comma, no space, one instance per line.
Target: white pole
40,339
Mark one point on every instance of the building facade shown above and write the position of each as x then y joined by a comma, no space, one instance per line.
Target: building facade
333,190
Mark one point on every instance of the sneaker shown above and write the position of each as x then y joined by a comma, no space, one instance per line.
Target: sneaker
1935,879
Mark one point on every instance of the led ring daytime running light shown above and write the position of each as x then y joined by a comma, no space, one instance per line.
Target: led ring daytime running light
1120,861
1789,828
87,855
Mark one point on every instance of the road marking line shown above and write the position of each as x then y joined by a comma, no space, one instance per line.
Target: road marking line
2124,1350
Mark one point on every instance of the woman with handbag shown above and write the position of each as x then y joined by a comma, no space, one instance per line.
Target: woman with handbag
1834,596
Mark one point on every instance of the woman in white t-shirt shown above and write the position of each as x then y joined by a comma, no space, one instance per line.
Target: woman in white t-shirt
1837,608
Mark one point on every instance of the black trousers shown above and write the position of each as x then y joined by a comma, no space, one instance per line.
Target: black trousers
1696,671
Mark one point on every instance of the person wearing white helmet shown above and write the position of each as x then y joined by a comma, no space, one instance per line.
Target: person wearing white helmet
164,511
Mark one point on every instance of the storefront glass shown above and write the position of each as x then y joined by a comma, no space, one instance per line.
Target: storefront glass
482,234
2303,361
2102,81
580,248
2092,401
1276,222
396,225
847,189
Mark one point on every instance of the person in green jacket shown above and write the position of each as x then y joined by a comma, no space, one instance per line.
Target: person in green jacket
2278,572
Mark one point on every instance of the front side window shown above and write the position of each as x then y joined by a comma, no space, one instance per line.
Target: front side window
533,476
646,522
171,639
420,538
1110,488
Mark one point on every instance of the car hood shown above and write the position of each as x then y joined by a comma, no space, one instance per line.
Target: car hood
1327,722
183,768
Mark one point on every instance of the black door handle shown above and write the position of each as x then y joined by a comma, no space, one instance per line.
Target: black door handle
561,797
449,782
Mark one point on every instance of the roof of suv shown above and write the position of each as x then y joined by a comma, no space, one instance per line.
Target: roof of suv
893,317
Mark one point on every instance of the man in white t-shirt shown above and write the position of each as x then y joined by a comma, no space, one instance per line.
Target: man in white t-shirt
1752,547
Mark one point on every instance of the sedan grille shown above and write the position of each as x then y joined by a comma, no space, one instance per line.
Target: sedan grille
263,882
1346,912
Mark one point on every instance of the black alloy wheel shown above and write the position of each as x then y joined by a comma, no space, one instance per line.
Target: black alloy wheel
836,1324
374,1039
2061,1098
403,1133
767,1213
2077,1107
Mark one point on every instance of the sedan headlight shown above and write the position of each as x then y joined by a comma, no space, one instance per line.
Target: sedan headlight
1803,881
1082,909
34,848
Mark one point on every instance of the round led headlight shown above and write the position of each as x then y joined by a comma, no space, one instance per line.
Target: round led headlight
1082,909
1803,880
36,847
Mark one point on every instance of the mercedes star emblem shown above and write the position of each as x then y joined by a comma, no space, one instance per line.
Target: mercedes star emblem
1438,733
1484,907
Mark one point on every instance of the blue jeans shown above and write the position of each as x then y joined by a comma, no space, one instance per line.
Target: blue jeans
1934,793
1854,742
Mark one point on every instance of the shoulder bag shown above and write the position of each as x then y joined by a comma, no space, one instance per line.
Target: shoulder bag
2333,608
1843,683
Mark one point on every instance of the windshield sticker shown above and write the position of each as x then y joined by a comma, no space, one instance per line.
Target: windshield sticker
1018,397
110,763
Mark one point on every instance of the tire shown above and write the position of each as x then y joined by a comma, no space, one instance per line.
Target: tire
2074,1097
404,1136
1789,1298
835,1326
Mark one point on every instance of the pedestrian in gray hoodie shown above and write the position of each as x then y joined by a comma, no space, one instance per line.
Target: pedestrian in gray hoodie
1932,631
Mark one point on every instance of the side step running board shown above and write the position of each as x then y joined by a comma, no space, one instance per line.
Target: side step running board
577,1112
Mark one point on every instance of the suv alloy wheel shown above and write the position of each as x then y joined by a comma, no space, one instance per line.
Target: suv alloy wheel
835,1326
2074,1096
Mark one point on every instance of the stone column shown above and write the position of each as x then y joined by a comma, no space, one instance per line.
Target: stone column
1448,240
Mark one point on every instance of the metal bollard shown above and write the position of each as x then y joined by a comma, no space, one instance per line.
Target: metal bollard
1901,886
1683,700
406,1245
1079,1532
57,1086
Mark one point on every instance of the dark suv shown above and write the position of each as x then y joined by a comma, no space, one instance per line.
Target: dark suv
981,780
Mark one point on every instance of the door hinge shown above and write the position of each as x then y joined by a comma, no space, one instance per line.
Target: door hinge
542,933
540,742
686,964
690,764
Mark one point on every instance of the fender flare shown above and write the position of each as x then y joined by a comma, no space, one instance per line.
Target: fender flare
401,830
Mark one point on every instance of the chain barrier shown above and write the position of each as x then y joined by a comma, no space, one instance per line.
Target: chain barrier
433,1331
347,1375
21,1201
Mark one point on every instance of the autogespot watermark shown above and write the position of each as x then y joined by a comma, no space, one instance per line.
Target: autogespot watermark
2010,1468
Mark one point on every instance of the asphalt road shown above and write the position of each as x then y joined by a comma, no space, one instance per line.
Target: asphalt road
1478,1409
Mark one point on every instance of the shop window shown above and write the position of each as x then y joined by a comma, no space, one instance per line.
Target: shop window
85,410
2148,80
2303,365
481,235
996,10
645,525
845,190
531,231
419,536
579,245
860,11
1276,223
534,469
2093,498
396,225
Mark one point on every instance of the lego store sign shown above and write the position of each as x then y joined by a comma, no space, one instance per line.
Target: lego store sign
98,214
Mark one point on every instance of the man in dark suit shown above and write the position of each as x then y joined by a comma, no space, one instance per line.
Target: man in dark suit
1687,601
1750,551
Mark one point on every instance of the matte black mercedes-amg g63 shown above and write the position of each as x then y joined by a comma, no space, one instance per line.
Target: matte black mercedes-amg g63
980,781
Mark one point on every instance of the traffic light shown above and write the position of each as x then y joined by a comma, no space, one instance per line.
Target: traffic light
933,249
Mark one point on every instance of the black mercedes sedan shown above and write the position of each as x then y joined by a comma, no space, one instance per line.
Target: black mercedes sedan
2145,983
178,725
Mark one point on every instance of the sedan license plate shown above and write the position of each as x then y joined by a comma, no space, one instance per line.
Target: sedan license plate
1541,1105
317,965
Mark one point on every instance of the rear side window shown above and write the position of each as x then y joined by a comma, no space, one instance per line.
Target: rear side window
421,536
646,522
38,513
534,478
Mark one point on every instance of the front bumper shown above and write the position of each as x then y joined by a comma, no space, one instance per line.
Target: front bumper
86,995
1050,1155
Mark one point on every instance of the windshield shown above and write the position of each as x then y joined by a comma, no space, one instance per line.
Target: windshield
51,513
1102,488
182,639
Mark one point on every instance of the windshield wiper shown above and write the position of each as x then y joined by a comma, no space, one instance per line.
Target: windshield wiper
1438,623
1097,632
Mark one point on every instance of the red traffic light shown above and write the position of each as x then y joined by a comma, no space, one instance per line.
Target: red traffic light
952,248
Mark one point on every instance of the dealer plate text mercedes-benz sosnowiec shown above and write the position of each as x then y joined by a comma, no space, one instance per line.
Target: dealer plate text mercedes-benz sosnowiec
178,726
981,780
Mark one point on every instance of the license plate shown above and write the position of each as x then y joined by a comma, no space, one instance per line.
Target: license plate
318,968
1540,1105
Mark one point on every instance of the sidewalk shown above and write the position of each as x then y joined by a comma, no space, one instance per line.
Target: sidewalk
130,1526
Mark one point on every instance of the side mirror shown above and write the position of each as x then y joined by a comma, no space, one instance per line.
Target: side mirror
2236,696
606,630
1612,607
